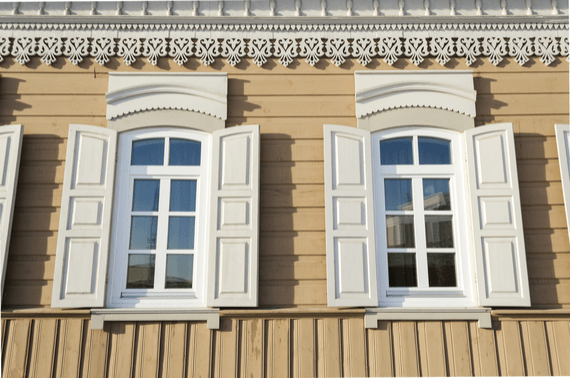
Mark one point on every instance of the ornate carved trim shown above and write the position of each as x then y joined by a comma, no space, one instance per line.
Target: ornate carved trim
389,48
377,91
135,92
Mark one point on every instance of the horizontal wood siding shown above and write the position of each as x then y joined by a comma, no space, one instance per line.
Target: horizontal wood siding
332,346
291,104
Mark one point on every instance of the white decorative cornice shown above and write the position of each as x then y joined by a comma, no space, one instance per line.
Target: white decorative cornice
288,8
136,92
377,91
312,49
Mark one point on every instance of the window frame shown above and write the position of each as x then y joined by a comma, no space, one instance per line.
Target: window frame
463,295
117,294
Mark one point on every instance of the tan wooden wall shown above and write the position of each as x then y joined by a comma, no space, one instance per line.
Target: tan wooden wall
291,104
284,347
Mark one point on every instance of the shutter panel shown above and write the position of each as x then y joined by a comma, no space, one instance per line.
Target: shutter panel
351,255
563,143
10,148
85,218
234,225
502,278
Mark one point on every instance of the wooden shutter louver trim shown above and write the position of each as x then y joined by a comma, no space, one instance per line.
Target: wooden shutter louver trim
350,240
233,250
85,218
10,151
563,144
500,257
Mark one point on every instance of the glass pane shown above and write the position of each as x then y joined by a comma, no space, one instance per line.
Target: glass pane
179,270
143,232
434,151
396,151
140,273
398,194
436,194
439,231
402,270
183,195
400,231
184,152
441,269
181,233
145,197
148,152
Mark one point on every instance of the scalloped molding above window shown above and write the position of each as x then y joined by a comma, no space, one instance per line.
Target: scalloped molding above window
378,91
131,93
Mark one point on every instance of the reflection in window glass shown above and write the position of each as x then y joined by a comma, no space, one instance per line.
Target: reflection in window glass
181,233
140,273
143,232
183,195
184,152
398,194
434,150
145,196
402,270
148,152
441,270
400,231
439,231
396,151
179,270
436,194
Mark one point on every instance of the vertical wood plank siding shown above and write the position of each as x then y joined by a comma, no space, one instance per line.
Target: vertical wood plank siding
284,347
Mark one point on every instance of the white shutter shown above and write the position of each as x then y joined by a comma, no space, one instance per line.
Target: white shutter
85,218
10,147
234,229
563,143
502,278
351,256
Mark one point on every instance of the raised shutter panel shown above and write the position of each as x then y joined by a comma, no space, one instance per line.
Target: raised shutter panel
351,255
234,222
85,218
10,148
502,278
563,143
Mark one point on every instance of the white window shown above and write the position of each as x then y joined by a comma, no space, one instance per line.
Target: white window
422,208
179,192
159,228
421,233
562,141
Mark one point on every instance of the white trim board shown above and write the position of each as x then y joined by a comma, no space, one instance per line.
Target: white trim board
482,315
99,317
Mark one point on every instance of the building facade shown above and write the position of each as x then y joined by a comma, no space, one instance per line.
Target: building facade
285,188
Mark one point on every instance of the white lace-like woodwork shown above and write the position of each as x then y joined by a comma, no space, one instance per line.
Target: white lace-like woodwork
312,49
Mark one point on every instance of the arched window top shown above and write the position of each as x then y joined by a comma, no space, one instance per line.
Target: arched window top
443,99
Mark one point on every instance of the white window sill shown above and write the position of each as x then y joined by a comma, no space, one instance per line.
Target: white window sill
373,315
100,316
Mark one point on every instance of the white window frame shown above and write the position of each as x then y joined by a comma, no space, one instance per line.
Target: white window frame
118,295
463,295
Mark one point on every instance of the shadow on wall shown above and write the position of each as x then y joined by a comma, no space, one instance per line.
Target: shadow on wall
31,252
543,216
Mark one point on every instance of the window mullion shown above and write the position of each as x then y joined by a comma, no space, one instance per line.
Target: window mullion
162,234
419,225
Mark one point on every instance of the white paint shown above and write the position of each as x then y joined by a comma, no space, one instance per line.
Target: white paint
423,295
137,92
10,150
350,233
234,231
500,258
563,144
382,90
83,239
